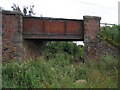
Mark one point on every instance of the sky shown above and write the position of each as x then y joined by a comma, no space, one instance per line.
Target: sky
70,9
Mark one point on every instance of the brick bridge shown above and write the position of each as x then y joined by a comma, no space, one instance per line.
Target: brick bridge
22,37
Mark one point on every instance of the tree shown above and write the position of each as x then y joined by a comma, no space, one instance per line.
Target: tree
15,7
31,11
25,10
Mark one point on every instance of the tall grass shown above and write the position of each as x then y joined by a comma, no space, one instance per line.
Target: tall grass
60,72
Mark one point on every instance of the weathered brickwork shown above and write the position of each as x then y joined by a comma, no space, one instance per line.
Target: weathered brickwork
12,35
91,30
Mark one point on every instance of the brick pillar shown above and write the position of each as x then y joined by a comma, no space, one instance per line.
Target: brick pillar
12,35
91,30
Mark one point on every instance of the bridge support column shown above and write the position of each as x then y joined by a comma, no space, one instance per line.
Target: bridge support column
12,41
91,30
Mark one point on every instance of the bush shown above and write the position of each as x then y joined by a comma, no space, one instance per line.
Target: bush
111,34
51,48
24,75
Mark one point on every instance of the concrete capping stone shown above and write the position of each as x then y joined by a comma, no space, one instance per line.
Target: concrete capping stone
92,17
11,12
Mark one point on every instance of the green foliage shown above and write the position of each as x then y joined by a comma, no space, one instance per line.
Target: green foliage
68,48
111,34
60,72
100,75
28,74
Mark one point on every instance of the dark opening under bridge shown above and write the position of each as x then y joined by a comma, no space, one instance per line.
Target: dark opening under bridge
21,36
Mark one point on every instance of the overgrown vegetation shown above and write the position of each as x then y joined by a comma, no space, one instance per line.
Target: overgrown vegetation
61,66
111,34
58,69
60,73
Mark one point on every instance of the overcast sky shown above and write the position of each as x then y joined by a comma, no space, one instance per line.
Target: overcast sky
73,9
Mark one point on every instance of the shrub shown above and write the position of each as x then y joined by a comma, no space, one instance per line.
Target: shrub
51,48
111,34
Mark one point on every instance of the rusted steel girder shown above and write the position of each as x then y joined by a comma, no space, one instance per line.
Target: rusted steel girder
52,28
